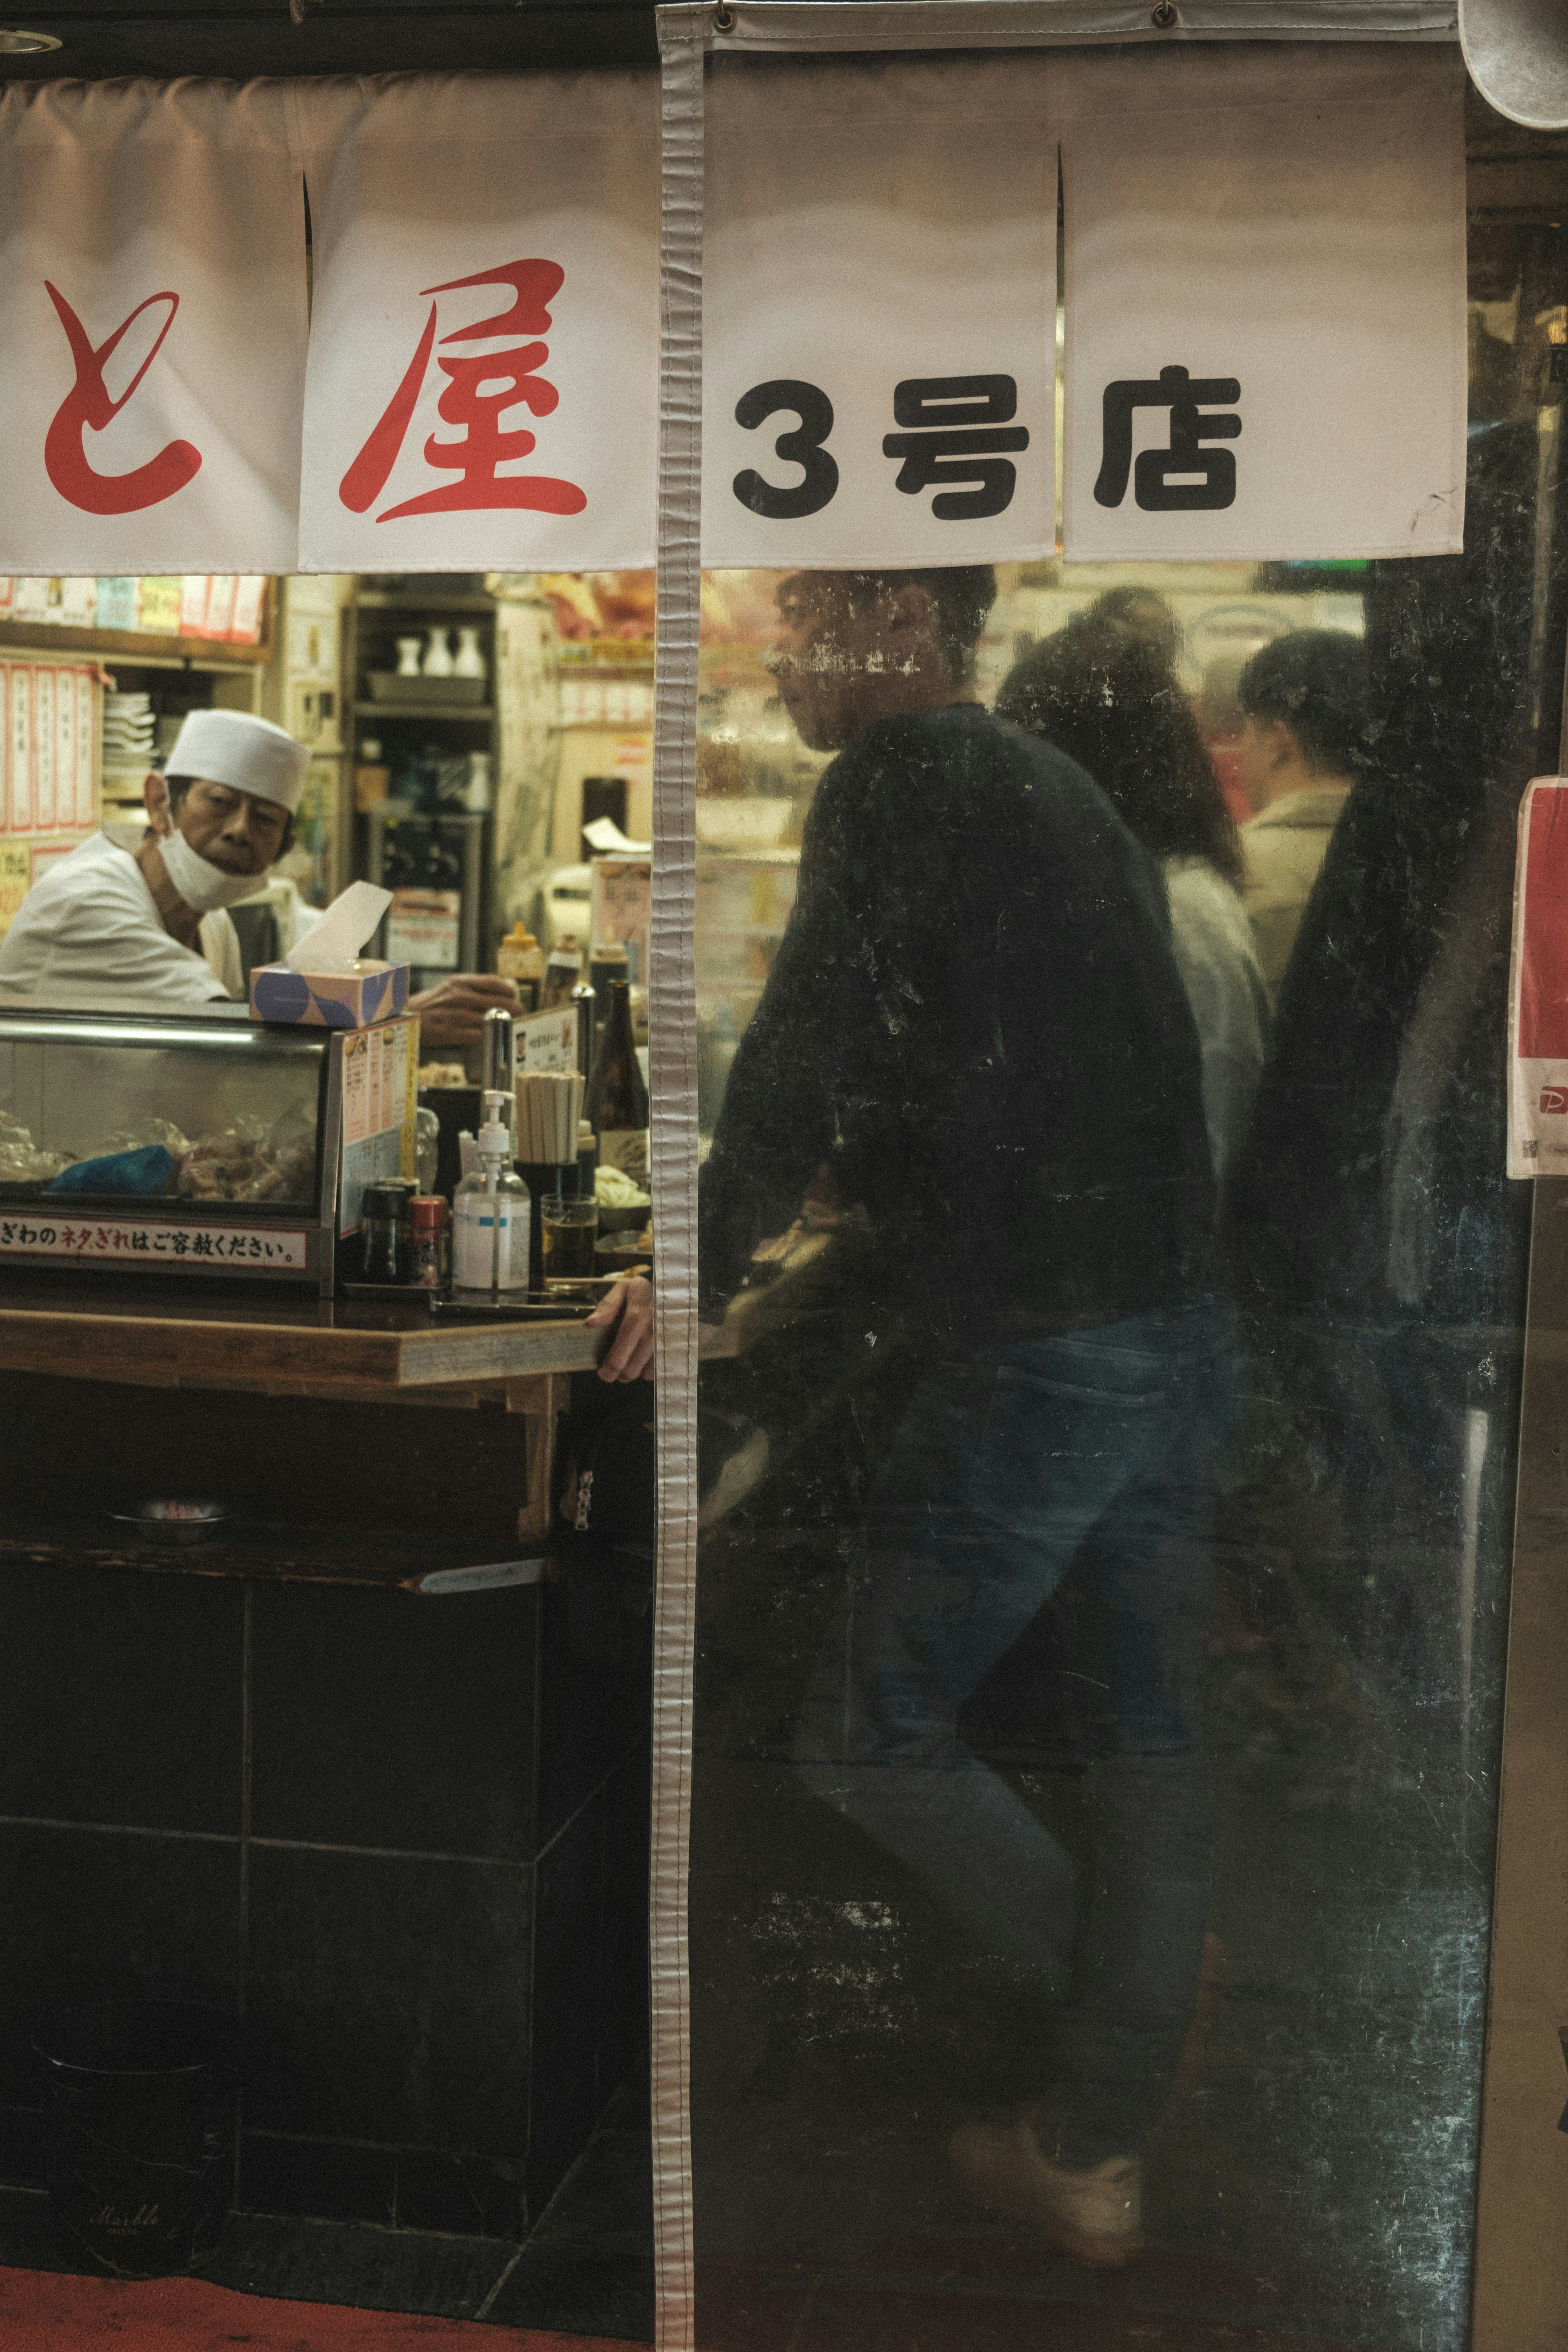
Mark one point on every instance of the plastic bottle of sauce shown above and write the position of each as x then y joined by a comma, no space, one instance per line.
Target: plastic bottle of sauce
520,958
430,1266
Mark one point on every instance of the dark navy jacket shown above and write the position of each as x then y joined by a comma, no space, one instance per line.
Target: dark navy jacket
975,1016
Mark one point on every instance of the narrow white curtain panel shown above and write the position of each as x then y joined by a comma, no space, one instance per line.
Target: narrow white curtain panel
1264,301
151,328
483,385
879,314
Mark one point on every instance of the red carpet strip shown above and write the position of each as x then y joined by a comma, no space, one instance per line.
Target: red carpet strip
48,2311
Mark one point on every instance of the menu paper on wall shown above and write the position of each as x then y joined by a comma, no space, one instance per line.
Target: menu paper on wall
1265,302
65,748
15,880
380,1096
1538,986
19,748
44,748
86,747
483,384
153,299
878,312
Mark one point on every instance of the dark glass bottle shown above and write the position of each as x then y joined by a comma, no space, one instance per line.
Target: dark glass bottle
615,1106
562,974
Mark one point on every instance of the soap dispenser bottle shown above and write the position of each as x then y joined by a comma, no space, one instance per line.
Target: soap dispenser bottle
492,1211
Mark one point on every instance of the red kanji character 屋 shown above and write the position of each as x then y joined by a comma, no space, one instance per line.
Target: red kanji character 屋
479,387
88,403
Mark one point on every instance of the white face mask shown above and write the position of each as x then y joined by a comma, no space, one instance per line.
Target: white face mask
200,883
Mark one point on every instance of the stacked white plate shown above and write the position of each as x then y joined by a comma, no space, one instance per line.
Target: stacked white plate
127,731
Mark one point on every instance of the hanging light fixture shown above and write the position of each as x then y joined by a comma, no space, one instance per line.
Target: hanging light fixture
1517,51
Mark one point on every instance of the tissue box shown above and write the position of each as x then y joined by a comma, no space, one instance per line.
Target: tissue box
329,999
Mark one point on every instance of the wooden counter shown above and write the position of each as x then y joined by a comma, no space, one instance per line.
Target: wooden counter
290,1357
277,1345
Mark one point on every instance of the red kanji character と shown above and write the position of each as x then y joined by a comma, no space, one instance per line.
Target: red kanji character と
87,402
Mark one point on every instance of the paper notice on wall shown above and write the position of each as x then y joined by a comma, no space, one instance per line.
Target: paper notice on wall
44,748
878,312
19,798
622,904
424,928
1265,302
153,292
483,390
1538,988
15,880
86,750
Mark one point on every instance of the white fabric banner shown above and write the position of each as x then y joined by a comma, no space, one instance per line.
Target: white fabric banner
878,312
483,384
1265,283
151,328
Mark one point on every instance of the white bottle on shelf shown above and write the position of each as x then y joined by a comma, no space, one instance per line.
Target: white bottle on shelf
470,661
437,660
408,652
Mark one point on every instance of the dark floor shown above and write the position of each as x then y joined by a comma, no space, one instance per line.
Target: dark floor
585,2268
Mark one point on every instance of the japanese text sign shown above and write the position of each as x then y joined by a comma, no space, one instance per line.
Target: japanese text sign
1265,303
483,381
154,1243
879,313
152,296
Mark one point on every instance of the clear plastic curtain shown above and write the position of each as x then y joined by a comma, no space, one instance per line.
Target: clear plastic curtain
1080,1649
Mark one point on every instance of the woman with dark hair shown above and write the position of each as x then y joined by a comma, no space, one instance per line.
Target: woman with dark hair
1102,693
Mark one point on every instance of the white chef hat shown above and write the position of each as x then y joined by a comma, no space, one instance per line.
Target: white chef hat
249,755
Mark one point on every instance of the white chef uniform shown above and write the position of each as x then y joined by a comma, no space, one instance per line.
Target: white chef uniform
90,919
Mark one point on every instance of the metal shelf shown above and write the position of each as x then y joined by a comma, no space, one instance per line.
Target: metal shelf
388,599
483,712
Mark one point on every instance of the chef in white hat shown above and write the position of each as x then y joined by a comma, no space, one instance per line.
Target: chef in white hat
144,910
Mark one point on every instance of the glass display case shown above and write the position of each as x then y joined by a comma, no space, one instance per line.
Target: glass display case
200,1142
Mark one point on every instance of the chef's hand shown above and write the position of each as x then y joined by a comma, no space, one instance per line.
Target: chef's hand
453,1011
629,1356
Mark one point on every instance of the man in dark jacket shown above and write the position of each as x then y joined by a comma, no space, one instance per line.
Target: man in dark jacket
976,1034
975,1018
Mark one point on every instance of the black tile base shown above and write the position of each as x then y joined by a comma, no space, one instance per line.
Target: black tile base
371,2270
28,2241
580,2290
324,2179
22,2148
474,2195
587,2269
607,2197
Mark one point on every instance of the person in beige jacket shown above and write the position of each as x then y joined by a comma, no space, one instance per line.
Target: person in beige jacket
1304,704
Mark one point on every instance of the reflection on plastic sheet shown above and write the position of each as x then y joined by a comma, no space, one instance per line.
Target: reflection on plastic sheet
1108,1436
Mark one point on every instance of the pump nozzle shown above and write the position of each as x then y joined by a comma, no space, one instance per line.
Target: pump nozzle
495,1135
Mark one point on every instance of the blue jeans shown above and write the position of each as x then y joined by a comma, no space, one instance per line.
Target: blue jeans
1092,1451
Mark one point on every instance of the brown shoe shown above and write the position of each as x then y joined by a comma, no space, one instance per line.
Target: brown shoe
1095,2213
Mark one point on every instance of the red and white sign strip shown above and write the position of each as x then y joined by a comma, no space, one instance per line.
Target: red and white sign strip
879,311
1265,267
483,386
152,296
1538,992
